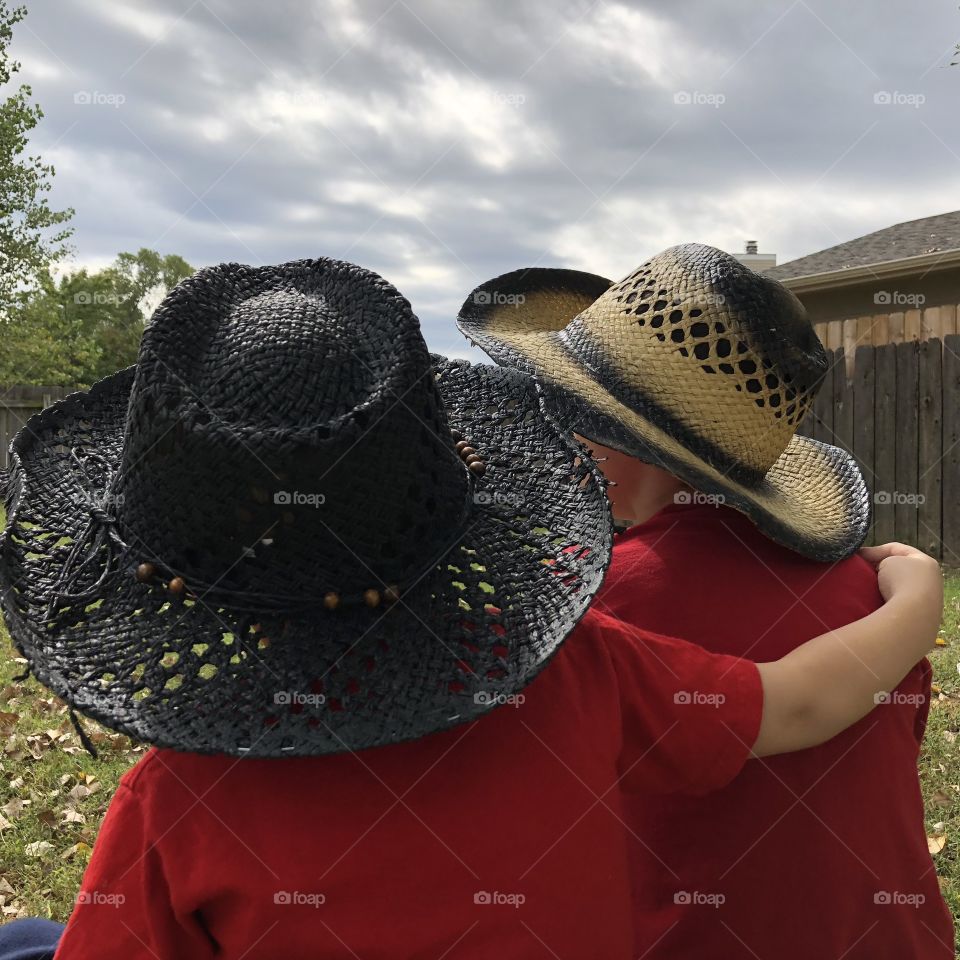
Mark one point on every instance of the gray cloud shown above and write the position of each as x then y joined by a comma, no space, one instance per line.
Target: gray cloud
441,144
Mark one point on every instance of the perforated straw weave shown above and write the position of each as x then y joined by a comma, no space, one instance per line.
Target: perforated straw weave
692,362
262,539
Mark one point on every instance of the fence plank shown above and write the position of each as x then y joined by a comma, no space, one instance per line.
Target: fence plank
895,324
930,325
911,325
843,402
930,448
906,473
948,319
950,464
864,408
881,329
834,335
885,431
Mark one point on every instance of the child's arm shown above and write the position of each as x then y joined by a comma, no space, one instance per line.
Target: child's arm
829,683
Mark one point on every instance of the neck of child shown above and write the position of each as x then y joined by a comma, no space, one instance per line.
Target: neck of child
638,490
658,489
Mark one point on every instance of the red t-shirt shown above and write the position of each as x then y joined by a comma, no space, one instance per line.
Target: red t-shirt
500,838
816,854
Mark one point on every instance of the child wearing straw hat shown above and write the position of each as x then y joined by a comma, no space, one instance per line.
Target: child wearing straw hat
343,588
690,377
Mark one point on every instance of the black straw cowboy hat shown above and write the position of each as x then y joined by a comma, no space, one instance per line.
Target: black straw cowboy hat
290,530
694,363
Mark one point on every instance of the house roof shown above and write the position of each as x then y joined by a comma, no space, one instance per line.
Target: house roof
913,238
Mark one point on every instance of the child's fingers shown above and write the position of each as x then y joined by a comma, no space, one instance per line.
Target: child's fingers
875,555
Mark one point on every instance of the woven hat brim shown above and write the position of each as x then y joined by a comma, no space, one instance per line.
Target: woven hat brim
482,623
813,500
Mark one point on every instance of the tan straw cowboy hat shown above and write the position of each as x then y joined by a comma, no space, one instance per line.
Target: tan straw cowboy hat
694,363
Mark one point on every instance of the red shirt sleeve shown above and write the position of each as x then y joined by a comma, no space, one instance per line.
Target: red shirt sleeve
123,908
689,717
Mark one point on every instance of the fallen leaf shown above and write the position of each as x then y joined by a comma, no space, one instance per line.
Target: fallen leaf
8,720
39,848
48,818
13,808
71,816
80,849
941,641
941,799
5,887
936,843
4,825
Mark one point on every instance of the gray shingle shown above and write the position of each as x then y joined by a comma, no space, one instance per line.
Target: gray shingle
910,239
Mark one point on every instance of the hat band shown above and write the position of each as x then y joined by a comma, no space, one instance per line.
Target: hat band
591,356
100,535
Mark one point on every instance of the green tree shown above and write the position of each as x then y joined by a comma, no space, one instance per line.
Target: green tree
85,326
27,246
139,282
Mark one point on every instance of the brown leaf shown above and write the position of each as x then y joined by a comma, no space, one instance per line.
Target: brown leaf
48,818
80,849
941,798
39,848
4,825
12,808
936,843
8,721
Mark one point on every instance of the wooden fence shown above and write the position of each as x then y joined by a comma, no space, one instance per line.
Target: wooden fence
899,415
892,327
17,405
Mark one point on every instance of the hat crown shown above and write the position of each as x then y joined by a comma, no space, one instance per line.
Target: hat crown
275,419
725,353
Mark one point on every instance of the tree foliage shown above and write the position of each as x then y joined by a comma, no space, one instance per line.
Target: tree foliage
74,330
32,236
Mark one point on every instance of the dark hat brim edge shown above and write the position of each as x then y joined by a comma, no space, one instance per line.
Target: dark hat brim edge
28,639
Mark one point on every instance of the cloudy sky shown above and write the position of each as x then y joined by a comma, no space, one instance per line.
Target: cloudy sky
442,143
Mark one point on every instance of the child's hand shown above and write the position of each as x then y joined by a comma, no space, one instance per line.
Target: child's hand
906,571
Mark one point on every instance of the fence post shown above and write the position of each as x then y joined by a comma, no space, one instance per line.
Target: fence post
929,508
951,450
906,473
885,432
864,403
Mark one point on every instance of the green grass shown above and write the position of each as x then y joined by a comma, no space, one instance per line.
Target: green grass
44,768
